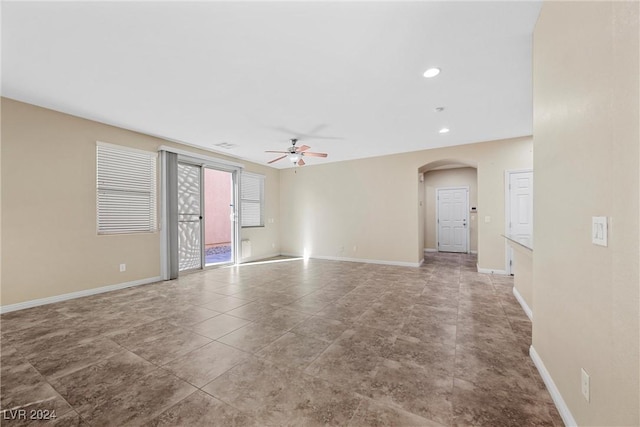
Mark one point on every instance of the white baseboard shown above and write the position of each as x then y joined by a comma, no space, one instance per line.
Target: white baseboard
259,257
421,262
363,260
490,271
523,304
562,407
79,294
368,261
426,250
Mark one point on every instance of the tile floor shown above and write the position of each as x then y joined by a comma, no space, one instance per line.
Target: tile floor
283,343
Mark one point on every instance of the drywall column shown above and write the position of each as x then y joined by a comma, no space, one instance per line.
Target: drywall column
586,155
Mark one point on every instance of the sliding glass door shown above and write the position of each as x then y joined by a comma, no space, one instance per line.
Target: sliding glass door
207,226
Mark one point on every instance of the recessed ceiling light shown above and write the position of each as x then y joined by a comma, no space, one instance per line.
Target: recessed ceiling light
444,130
432,72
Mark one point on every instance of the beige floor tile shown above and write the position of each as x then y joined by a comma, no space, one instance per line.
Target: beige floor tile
252,337
285,343
219,326
293,351
206,363
283,396
201,410
123,389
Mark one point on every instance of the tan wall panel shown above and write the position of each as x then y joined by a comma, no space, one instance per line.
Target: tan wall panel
523,273
586,140
49,242
373,204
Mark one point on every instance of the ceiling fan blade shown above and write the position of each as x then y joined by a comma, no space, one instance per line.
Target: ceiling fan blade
281,152
303,148
306,153
283,130
307,137
301,162
317,129
275,160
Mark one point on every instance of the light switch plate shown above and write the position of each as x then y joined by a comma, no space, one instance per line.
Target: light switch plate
599,230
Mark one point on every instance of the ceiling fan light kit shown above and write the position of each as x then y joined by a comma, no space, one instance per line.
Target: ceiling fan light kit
295,154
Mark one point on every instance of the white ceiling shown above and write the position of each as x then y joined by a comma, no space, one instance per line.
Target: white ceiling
236,72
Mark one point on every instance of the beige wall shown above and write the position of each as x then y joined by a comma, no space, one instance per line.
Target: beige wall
0,200
458,177
586,139
49,241
523,273
374,204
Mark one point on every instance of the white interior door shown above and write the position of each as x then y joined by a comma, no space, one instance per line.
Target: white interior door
452,219
520,205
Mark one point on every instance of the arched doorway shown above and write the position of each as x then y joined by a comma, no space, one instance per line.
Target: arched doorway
448,194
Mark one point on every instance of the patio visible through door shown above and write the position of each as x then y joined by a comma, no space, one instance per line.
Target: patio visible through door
218,209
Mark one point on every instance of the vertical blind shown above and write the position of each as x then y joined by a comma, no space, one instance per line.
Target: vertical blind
252,200
126,190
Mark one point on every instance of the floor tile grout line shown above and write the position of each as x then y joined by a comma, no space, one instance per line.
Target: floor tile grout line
249,352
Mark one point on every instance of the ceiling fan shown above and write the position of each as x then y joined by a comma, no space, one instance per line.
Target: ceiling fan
296,154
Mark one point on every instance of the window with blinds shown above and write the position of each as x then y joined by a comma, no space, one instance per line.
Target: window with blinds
126,190
252,200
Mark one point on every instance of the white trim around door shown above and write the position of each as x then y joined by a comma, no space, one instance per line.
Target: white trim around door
508,260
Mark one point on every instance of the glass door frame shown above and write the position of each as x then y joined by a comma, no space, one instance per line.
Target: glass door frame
166,189
200,214
235,224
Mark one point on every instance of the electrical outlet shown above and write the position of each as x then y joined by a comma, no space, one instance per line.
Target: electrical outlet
273,246
487,219
585,384
123,267
355,248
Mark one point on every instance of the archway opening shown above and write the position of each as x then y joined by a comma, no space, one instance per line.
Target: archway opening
448,195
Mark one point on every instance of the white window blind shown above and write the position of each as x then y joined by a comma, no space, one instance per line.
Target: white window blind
252,200
126,190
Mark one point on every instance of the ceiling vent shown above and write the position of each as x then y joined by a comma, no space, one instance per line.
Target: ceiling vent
225,145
